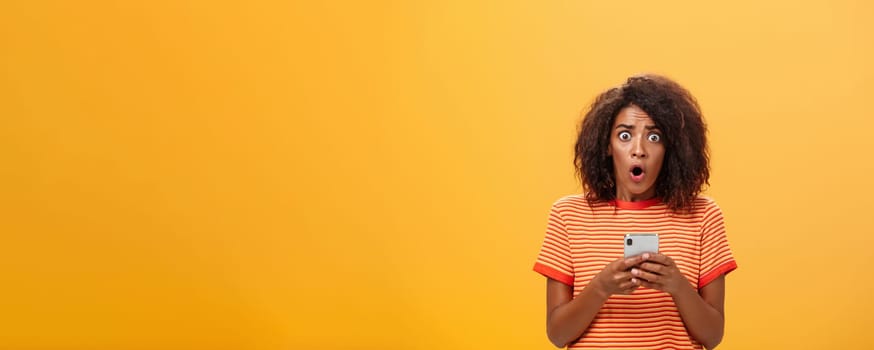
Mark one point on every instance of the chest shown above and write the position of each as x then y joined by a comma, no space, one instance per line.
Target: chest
597,241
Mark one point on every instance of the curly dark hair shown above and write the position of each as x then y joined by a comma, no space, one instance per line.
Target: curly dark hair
685,168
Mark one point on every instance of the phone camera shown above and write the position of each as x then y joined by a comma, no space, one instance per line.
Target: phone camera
628,241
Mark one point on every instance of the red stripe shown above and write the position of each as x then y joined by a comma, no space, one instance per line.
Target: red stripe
554,274
719,271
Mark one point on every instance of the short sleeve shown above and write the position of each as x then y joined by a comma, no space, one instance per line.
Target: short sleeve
554,259
716,258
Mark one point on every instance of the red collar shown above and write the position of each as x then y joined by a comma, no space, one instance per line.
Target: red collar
636,205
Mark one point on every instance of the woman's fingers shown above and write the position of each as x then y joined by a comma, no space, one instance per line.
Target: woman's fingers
646,276
661,259
651,285
629,287
632,261
653,267
624,276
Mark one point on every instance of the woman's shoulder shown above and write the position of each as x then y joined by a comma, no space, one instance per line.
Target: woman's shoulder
705,204
577,202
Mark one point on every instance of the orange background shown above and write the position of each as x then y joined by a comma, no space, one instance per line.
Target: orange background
274,175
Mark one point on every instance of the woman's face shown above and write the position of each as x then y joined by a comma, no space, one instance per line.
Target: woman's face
637,148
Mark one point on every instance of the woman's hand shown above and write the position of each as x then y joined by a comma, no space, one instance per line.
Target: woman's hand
616,277
659,272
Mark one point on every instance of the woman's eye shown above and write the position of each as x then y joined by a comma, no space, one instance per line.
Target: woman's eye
625,136
654,138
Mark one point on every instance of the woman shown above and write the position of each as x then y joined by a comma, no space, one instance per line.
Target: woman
642,158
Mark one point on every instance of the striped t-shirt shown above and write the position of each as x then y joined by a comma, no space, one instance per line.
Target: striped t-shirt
581,239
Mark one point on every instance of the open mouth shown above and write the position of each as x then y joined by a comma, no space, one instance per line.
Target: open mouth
637,173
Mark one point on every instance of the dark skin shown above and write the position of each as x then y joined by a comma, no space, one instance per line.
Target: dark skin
567,318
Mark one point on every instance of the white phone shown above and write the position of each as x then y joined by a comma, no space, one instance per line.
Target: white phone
639,243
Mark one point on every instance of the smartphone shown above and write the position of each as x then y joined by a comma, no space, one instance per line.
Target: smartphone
639,243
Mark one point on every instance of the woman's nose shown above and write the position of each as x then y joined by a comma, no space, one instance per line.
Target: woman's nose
637,149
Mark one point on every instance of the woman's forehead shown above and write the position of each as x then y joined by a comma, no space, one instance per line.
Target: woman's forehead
633,115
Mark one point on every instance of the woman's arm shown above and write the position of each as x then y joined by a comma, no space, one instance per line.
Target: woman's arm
567,318
703,311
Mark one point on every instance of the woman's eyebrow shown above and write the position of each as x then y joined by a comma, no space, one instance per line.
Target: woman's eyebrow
626,126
